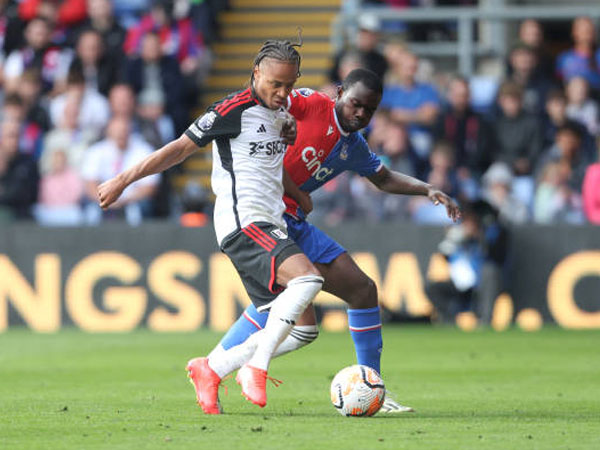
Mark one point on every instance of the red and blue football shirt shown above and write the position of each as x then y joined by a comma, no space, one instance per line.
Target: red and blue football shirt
322,149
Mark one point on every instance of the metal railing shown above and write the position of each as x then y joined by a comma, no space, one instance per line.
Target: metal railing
465,48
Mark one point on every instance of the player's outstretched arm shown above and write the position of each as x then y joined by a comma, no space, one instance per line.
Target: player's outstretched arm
171,154
398,183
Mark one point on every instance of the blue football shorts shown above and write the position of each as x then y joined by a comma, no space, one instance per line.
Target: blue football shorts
316,245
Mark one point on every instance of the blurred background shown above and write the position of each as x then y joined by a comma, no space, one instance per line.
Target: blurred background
496,102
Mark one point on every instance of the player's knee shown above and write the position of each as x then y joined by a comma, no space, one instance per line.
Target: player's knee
364,295
311,283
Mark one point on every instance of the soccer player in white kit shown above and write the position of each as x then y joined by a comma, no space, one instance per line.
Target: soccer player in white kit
249,131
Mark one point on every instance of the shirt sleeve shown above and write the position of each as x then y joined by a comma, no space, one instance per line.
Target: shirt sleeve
299,102
211,126
367,163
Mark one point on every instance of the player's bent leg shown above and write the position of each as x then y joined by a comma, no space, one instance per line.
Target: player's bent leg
224,361
346,280
303,282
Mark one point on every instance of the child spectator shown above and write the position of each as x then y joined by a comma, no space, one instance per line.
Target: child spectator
497,191
568,150
68,137
581,107
442,176
61,190
555,201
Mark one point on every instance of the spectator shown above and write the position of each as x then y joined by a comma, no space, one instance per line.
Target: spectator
443,177
104,160
497,191
68,137
556,115
36,121
350,60
121,99
569,151
30,89
470,134
94,108
155,127
591,193
11,30
102,20
395,153
532,35
414,104
476,254
68,12
534,83
13,108
99,69
178,37
367,42
583,59
580,107
18,175
61,190
555,201
154,71
518,133
39,53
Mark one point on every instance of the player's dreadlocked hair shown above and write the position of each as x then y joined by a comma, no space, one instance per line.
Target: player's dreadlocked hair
280,50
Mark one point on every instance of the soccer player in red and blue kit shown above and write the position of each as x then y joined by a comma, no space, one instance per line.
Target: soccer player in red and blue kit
327,144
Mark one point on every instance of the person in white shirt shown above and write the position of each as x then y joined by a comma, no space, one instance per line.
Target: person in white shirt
118,152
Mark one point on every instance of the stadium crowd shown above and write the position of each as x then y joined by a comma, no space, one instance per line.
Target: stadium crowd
525,142
88,88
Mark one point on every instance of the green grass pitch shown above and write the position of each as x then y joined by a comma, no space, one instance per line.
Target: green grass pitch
508,390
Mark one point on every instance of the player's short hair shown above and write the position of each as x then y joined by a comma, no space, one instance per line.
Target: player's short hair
365,76
280,50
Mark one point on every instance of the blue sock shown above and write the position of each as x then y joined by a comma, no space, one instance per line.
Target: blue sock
365,329
249,323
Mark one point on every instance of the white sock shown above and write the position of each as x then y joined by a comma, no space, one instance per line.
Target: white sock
300,336
285,310
223,362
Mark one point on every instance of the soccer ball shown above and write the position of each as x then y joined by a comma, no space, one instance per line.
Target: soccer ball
357,391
